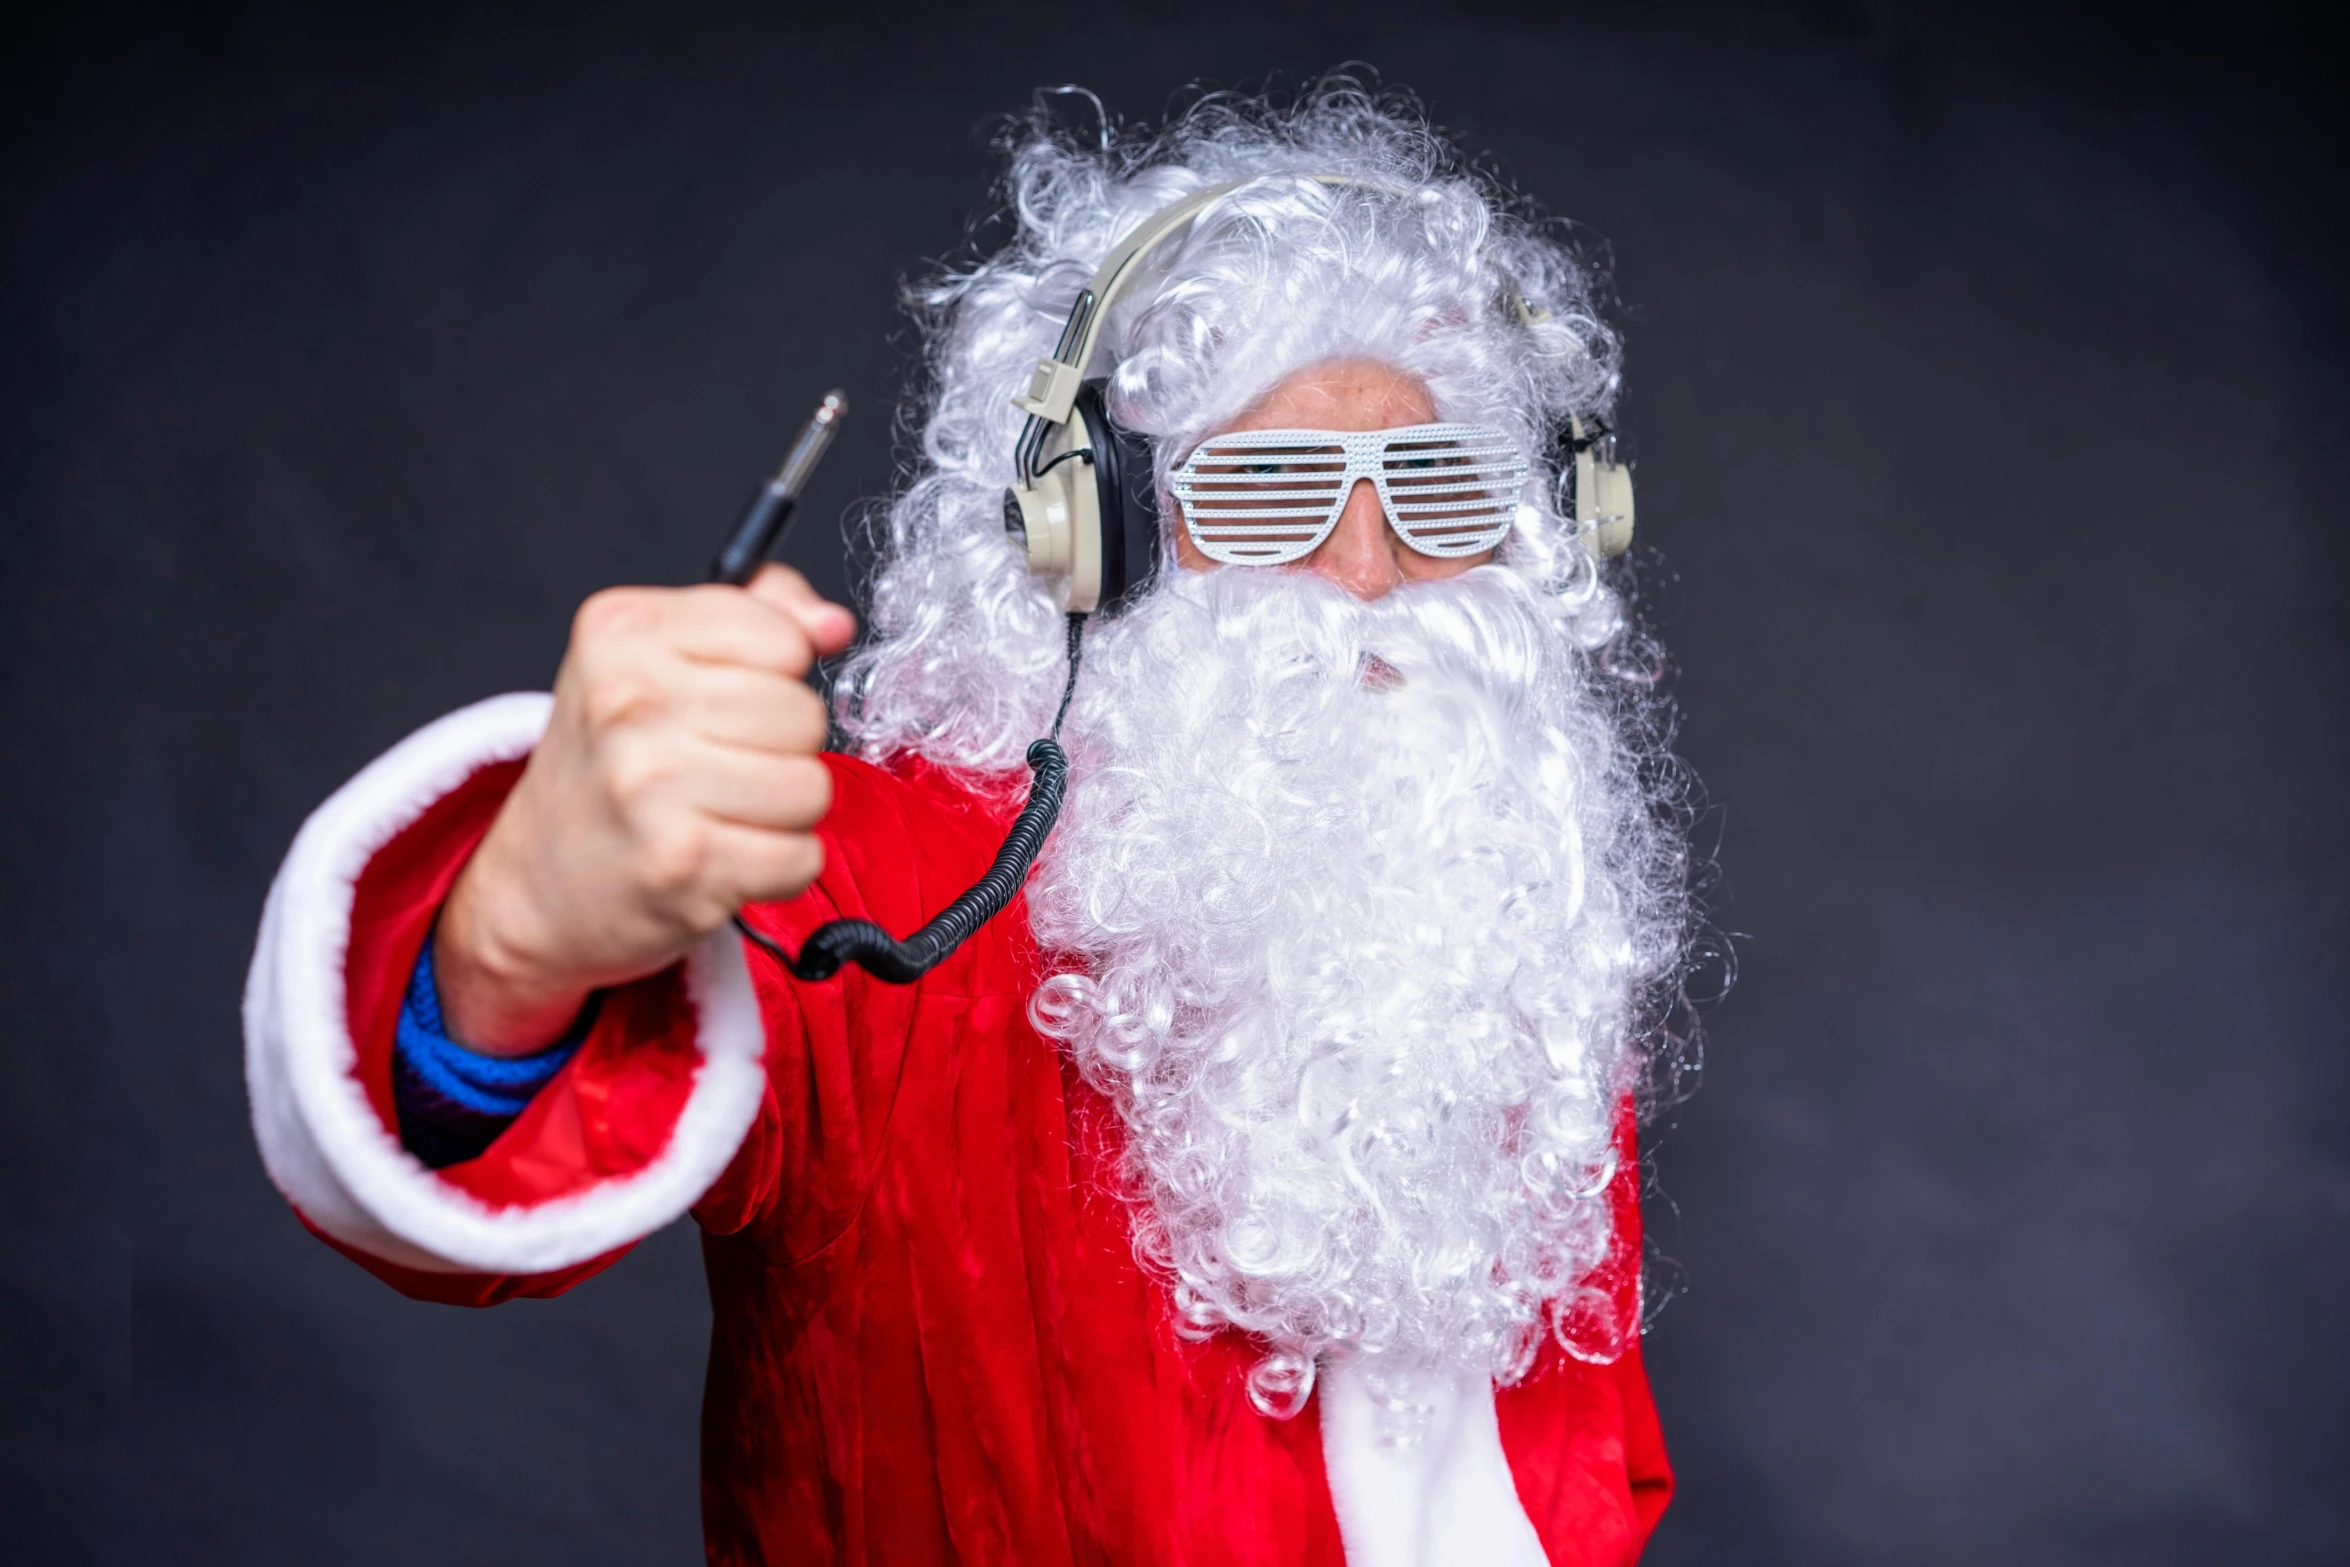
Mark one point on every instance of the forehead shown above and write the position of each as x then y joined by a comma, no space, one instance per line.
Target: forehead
1340,394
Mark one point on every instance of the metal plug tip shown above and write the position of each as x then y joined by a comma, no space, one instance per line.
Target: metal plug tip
813,438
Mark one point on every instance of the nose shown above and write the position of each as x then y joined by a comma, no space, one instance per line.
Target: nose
1359,555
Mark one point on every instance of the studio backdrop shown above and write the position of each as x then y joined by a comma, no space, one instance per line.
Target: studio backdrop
1986,381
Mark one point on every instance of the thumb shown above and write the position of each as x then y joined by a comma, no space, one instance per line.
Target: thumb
828,626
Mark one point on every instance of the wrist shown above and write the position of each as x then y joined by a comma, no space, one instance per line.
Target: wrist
499,995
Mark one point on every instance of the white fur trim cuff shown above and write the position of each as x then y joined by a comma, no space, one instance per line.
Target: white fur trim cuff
322,1141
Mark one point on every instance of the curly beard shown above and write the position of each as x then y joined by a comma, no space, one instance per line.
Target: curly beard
1355,903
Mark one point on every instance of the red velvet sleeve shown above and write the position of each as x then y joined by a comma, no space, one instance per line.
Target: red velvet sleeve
605,1116
834,1049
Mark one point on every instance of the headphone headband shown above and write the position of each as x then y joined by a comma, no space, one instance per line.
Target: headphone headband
1052,389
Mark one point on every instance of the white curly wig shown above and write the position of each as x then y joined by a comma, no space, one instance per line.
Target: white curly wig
1370,965
1421,265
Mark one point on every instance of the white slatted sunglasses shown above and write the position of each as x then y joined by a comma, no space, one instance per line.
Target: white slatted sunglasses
1268,497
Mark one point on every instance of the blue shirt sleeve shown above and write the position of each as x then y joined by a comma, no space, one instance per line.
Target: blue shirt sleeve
453,1102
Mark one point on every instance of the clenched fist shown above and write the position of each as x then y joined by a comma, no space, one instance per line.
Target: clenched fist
679,779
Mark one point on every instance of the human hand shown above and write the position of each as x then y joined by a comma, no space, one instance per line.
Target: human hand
680,777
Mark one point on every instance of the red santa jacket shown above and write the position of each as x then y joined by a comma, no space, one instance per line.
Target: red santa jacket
932,1341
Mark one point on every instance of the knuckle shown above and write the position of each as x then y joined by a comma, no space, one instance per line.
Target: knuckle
779,587
614,612
707,601
612,696
758,631
675,855
635,775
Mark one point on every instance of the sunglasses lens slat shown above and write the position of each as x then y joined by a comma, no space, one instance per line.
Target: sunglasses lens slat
1266,498
1451,490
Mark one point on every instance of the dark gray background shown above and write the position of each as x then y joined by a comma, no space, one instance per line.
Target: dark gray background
1987,378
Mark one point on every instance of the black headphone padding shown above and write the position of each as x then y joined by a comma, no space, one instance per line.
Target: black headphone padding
1127,491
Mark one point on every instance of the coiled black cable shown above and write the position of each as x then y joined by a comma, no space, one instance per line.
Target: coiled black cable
839,942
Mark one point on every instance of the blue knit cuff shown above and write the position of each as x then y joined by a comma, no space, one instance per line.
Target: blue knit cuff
453,1102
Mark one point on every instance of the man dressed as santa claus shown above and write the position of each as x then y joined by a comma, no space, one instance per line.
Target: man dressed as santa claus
1258,1186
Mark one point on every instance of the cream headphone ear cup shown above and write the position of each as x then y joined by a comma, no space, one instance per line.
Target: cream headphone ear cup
1603,493
1057,518
1089,520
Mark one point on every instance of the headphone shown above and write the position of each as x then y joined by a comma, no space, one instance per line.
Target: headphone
1095,533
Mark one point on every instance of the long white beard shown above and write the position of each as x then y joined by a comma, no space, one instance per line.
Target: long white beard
1355,901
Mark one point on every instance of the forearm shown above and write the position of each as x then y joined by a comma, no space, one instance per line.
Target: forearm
491,994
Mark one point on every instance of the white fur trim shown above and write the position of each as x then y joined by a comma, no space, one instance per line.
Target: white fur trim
321,1139
1444,1498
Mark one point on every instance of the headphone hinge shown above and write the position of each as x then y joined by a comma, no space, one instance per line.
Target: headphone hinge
1052,391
